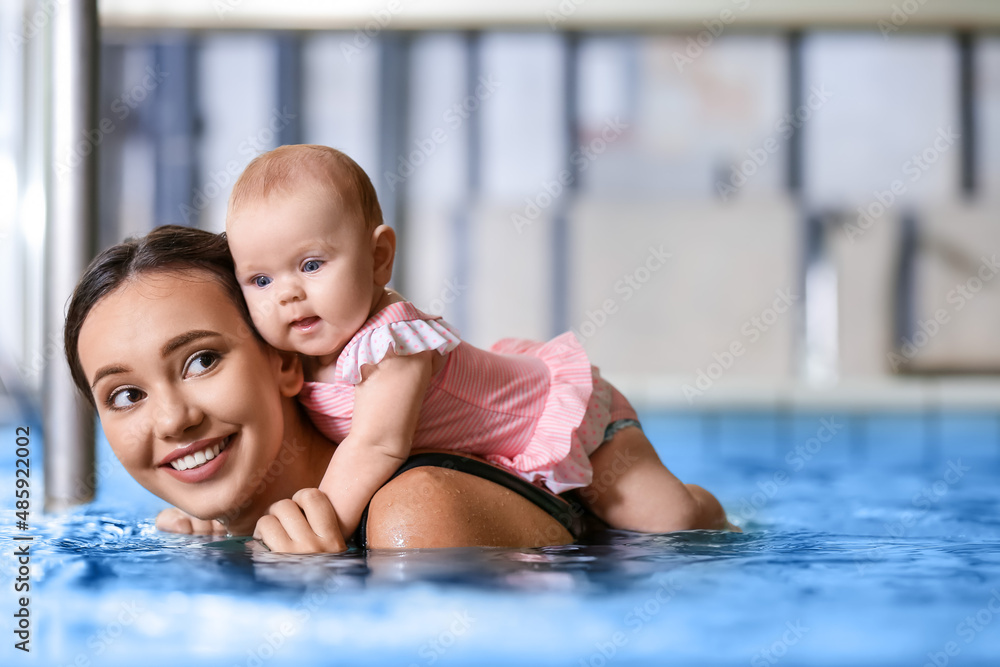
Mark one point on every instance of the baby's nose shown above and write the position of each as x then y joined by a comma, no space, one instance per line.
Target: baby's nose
290,291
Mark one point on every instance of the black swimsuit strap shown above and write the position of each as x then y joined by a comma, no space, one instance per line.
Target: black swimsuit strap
568,515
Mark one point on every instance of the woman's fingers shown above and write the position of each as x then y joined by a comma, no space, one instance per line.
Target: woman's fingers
305,523
219,529
173,520
272,534
294,523
322,518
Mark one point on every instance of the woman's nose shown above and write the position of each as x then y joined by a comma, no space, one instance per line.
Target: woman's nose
174,415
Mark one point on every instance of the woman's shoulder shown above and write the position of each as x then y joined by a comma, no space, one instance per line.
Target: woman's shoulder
442,505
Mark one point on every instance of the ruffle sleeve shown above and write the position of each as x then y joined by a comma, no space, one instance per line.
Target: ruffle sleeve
405,338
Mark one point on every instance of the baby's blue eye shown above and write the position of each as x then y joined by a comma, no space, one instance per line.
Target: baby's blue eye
261,281
312,265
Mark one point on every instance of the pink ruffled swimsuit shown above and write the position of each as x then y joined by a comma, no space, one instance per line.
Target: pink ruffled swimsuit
537,409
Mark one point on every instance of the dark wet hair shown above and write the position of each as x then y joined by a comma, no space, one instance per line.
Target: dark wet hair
166,248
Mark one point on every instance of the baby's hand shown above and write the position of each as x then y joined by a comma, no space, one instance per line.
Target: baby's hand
304,524
173,520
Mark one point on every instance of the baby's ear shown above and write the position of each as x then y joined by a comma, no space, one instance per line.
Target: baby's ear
383,253
290,377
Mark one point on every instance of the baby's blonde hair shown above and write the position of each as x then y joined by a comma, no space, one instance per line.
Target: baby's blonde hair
286,168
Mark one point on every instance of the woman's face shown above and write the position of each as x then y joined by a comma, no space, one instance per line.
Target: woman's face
190,401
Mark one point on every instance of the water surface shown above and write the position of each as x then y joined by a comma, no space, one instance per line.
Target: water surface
877,546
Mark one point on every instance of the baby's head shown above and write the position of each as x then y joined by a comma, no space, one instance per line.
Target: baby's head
312,255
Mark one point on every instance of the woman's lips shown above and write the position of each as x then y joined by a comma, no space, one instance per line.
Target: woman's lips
305,324
198,446
206,470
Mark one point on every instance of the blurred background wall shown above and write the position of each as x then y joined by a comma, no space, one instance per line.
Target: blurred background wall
738,200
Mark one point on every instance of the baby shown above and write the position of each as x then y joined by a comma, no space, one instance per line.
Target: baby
313,260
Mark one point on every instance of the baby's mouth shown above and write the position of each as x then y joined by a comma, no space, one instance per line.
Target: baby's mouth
201,457
305,323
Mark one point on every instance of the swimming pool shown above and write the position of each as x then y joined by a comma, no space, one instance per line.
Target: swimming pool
870,540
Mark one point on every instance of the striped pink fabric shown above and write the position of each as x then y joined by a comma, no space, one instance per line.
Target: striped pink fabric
538,409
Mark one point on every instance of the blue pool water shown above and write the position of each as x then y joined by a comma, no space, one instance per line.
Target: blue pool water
870,540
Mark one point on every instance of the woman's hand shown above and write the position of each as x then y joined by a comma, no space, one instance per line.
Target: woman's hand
304,524
173,520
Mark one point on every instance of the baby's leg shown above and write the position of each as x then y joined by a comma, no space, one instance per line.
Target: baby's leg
633,490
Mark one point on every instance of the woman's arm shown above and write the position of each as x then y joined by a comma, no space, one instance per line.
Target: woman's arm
386,406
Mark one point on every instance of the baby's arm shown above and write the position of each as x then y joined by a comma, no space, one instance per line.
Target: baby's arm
386,406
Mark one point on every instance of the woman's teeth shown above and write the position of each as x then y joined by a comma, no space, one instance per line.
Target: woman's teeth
200,457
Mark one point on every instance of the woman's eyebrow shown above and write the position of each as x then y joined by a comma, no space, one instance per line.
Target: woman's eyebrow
184,339
108,370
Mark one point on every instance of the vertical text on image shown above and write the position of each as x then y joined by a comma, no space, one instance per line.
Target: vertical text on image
22,543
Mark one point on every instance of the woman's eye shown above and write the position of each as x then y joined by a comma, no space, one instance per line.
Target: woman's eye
201,363
312,265
261,281
125,398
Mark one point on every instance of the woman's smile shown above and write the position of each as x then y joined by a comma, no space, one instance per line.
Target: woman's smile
200,460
